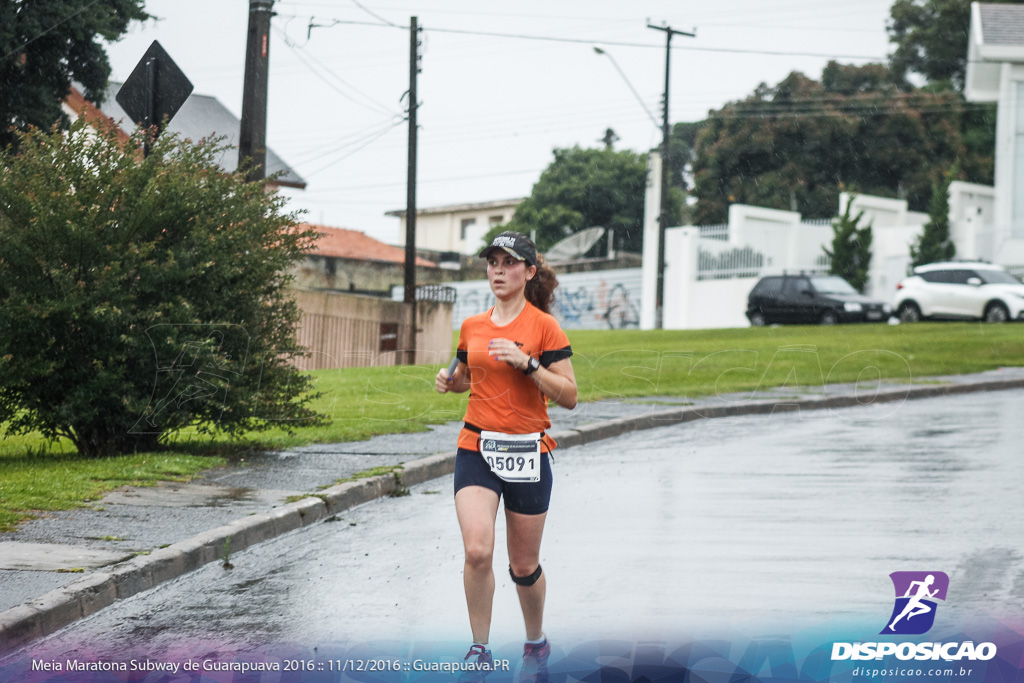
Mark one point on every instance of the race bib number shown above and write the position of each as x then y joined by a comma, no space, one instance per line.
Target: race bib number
513,457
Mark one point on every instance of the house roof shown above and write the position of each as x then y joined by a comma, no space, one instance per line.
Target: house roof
1002,24
202,116
459,208
996,37
355,245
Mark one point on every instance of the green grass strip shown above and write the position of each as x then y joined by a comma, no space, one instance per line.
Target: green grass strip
34,482
609,364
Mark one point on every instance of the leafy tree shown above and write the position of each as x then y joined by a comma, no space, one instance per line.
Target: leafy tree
681,152
931,38
610,138
583,188
142,296
44,45
851,249
934,243
798,144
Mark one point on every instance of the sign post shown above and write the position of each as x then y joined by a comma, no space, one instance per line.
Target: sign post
155,91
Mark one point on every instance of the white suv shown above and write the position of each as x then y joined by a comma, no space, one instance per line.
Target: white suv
960,290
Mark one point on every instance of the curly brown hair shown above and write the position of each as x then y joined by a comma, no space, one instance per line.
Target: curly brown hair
540,289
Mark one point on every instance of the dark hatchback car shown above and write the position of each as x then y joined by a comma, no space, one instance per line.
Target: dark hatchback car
810,299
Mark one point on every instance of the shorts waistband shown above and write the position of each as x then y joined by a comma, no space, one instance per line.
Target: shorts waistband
474,428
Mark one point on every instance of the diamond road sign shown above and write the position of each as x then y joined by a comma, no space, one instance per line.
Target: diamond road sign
156,89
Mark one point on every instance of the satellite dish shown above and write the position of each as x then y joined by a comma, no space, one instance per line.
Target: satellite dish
575,246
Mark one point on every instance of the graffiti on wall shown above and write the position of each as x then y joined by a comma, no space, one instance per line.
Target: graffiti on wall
609,307
583,301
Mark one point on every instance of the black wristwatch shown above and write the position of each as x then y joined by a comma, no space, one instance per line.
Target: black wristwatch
531,366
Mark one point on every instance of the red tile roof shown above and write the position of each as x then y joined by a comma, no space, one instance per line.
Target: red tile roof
92,114
352,244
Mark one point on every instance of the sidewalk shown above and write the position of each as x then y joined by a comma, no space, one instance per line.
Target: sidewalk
67,565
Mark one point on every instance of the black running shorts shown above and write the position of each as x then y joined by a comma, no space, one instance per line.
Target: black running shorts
528,498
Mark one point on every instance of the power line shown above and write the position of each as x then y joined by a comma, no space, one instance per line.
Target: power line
302,58
319,152
363,146
346,22
462,133
774,10
859,111
429,182
591,41
375,16
557,39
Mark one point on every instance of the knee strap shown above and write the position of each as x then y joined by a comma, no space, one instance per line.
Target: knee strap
525,580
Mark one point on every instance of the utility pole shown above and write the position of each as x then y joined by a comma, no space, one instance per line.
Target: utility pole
665,170
252,138
410,204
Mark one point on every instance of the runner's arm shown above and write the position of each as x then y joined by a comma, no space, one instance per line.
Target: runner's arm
459,384
557,382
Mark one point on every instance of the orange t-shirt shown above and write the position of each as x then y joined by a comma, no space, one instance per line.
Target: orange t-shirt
502,398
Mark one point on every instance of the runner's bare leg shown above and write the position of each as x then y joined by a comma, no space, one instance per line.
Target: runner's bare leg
477,508
524,537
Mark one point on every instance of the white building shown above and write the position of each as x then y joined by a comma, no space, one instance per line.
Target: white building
709,270
995,73
459,227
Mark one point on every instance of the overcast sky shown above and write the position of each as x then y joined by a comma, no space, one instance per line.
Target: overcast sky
492,107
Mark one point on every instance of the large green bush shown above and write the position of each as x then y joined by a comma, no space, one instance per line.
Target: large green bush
141,297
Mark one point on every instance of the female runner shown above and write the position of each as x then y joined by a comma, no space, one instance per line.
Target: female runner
512,358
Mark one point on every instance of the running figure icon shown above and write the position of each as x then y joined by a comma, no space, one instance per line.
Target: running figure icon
915,606
917,595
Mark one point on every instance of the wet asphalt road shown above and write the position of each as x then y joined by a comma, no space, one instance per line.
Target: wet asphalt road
760,523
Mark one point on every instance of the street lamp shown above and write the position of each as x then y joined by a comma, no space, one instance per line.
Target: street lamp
628,84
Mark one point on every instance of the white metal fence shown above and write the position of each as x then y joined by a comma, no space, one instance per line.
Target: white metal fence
718,232
722,264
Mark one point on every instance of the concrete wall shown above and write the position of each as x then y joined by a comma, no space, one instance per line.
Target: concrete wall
769,231
691,303
351,275
344,330
614,299
598,300
720,303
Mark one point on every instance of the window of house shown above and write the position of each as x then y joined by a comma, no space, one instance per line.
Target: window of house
495,220
466,224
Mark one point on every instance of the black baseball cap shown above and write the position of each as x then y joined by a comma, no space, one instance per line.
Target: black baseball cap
516,244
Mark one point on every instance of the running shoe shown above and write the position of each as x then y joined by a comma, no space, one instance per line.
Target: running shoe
484,664
538,653
535,662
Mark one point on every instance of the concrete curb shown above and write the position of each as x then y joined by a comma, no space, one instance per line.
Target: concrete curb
45,615
661,418
40,617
